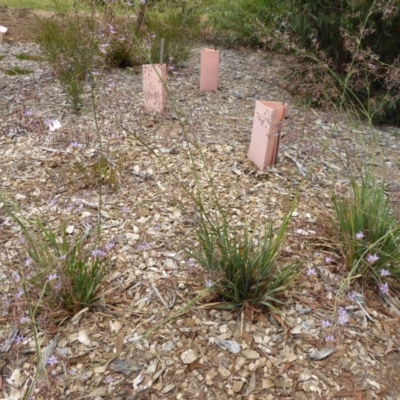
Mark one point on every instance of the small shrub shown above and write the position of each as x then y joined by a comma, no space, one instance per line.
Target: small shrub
241,268
90,174
61,275
358,42
71,47
178,23
368,232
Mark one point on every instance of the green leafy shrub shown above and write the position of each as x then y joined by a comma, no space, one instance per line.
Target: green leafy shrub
243,21
177,22
243,268
359,43
368,232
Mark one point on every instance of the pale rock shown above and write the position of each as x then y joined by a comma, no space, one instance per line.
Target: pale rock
84,338
188,356
168,388
251,354
237,386
258,339
224,372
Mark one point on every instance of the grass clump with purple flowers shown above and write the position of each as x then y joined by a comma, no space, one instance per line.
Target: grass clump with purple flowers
244,269
62,273
369,233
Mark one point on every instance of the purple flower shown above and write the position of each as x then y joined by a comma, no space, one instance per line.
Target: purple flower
98,253
328,259
111,29
28,262
69,208
330,338
359,235
326,323
371,258
17,278
19,294
53,124
19,339
384,272
109,246
24,320
191,262
311,271
28,113
343,316
57,286
63,257
208,283
384,288
143,246
52,360
95,73
109,380
51,277
52,202
75,145
317,254
142,1
84,376
125,210
352,297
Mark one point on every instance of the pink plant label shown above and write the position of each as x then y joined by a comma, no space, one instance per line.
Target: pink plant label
209,70
267,124
154,79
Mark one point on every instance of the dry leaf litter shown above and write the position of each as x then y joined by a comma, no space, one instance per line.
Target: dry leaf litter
192,351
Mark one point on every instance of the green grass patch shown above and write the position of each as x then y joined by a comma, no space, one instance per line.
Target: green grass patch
46,5
17,71
24,56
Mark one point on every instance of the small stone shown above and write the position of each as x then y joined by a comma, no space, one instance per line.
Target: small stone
168,388
251,354
224,372
237,386
188,356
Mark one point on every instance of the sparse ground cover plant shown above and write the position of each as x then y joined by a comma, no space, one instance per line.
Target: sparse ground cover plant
17,71
369,234
29,57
